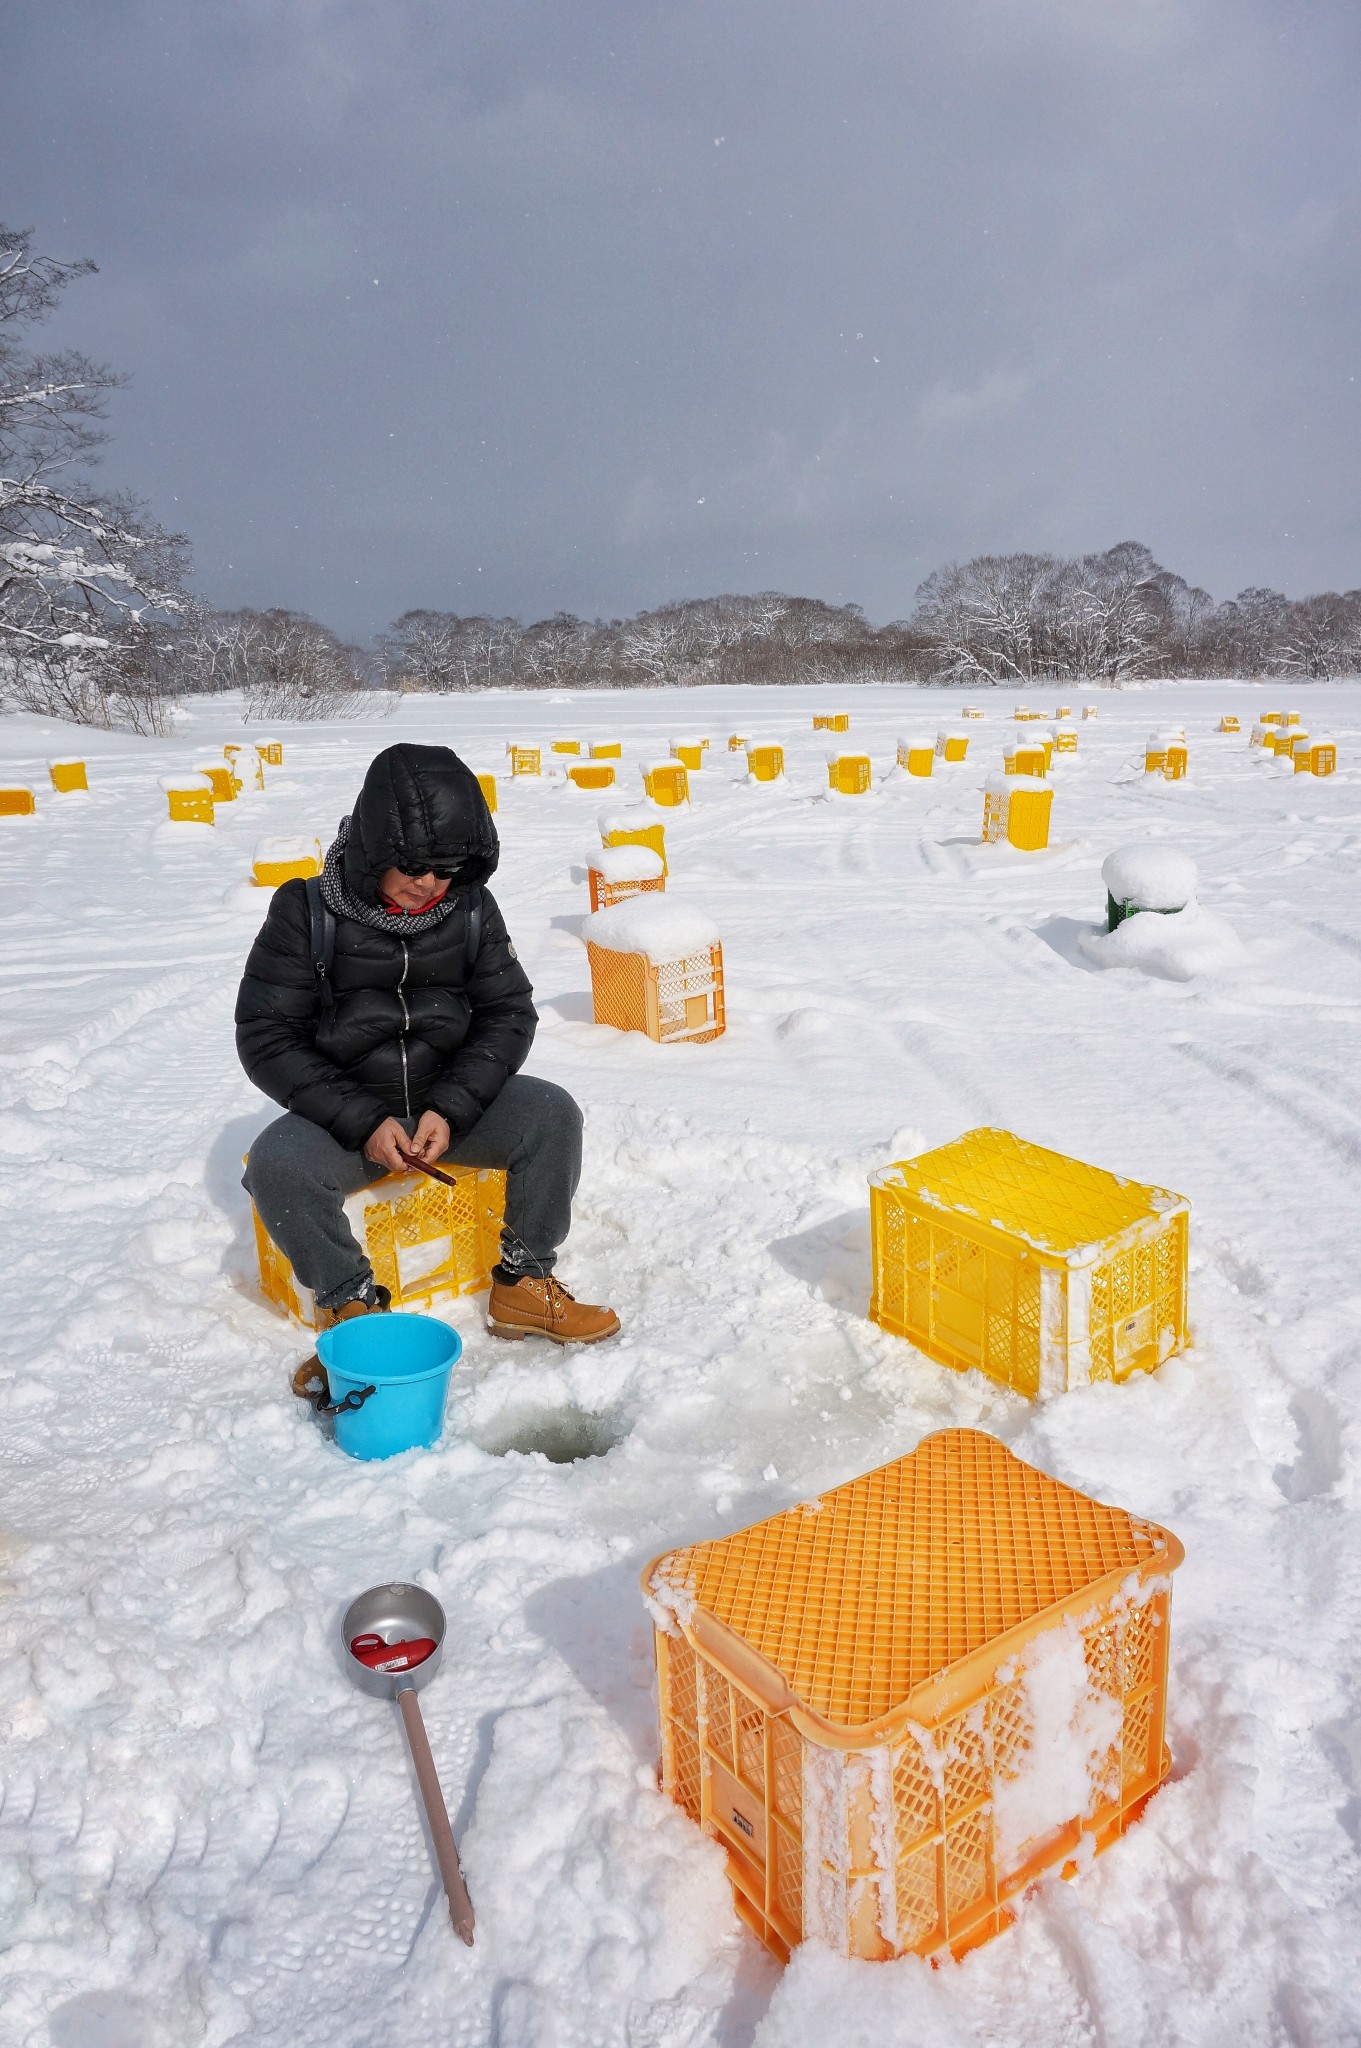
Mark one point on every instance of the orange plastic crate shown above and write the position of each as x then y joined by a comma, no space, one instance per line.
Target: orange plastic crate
898,1705
17,802
607,890
667,999
426,1242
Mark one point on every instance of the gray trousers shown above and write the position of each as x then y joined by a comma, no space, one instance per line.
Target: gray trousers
298,1178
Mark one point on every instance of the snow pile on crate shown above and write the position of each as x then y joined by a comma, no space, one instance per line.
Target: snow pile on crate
656,926
627,863
285,848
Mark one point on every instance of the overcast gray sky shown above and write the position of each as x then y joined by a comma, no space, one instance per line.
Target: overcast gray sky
521,307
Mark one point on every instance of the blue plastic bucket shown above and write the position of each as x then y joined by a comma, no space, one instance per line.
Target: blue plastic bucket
407,1361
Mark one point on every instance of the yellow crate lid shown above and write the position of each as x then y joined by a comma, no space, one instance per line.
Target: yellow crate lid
1060,1206
858,1600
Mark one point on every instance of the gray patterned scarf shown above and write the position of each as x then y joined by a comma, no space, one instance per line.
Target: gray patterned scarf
398,924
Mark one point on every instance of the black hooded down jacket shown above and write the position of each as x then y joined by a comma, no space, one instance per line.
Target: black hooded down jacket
412,1027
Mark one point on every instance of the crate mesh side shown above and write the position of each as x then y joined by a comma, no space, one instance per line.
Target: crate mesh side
1138,1312
690,996
618,989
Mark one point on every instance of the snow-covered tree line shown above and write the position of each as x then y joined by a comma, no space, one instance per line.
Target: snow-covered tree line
97,625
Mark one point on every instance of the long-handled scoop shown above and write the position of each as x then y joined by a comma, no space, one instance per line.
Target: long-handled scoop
394,1637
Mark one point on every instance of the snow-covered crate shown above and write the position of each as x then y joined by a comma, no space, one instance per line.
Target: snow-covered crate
1089,711
607,750
690,751
17,801
68,775
290,857
952,746
917,754
1228,723
848,774
487,784
524,760
738,742
1154,878
271,752
1038,1270
1299,748
1065,737
246,766
633,828
1026,757
897,1705
970,711
656,967
221,777
591,774
1260,734
623,871
831,721
1016,808
190,796
1063,711
1322,757
667,782
566,746
425,1241
765,762
1175,759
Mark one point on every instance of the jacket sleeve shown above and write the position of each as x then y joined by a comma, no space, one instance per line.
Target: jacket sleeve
500,1035
277,1011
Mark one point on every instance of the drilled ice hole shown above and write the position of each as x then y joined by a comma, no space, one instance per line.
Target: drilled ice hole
561,1434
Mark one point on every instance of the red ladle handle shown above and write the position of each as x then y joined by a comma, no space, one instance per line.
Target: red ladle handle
437,1814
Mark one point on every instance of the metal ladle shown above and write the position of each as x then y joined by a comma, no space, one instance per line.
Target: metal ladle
401,1614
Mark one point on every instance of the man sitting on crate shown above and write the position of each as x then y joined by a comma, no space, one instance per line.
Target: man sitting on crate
383,1005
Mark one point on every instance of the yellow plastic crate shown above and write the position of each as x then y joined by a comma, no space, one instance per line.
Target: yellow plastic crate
271,752
636,835
567,746
1228,723
690,753
190,798
669,1000
864,1699
1038,1270
243,760
525,760
1174,763
1065,740
1018,811
765,763
667,783
607,750
831,721
487,785
287,859
849,774
591,774
426,1242
1089,711
1063,711
1025,757
737,742
952,746
221,779
917,756
1321,758
68,775
17,802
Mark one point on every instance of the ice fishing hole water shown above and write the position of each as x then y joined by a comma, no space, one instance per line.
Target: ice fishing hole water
564,1434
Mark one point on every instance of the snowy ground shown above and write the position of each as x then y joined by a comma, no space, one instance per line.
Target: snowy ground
208,1836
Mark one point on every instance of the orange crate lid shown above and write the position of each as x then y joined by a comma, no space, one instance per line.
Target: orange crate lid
1058,1205
865,1607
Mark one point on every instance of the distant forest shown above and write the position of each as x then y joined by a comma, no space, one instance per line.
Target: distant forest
1006,620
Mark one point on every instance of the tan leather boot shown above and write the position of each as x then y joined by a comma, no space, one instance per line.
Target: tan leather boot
544,1308
310,1377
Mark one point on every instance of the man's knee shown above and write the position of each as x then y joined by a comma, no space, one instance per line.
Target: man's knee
547,1113
288,1151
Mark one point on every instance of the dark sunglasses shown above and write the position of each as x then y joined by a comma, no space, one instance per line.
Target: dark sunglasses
440,874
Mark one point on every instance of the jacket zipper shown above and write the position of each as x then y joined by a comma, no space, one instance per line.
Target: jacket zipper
406,1025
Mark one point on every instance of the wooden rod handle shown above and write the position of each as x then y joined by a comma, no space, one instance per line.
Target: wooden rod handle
437,1814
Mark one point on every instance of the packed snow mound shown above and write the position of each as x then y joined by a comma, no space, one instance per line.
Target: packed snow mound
1179,945
653,925
918,740
1150,877
627,864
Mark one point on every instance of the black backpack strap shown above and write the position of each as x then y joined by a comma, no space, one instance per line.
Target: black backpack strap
323,940
474,930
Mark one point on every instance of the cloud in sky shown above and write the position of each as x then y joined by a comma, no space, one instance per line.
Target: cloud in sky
593,303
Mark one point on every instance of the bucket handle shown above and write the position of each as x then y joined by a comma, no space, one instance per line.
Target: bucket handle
316,1388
